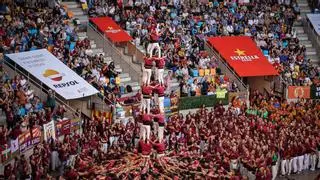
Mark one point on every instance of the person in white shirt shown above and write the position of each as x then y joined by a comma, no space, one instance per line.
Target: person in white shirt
230,28
95,72
185,71
29,93
23,81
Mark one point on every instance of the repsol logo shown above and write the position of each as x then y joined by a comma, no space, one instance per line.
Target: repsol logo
67,84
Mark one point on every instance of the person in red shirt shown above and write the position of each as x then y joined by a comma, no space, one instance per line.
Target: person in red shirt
147,93
160,119
154,43
160,147
146,148
147,70
160,63
146,127
160,91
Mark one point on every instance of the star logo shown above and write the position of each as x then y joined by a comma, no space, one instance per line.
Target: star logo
240,53
110,28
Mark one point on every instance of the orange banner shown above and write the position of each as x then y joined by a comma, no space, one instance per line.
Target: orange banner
295,92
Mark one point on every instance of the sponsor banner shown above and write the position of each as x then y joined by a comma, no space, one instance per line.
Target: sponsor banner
295,92
315,21
63,127
221,94
25,141
5,154
54,73
242,54
14,145
75,124
315,91
49,131
174,102
111,29
36,135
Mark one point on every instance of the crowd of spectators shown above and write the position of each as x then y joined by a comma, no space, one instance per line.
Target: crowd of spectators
23,110
27,29
184,26
208,143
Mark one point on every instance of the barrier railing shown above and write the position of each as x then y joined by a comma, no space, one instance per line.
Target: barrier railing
38,84
226,68
280,86
111,50
135,52
315,38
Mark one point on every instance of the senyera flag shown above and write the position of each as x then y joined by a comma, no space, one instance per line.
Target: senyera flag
242,54
111,29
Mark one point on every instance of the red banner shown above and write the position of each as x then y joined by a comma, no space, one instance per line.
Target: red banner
63,127
36,135
25,141
111,29
75,124
242,54
295,92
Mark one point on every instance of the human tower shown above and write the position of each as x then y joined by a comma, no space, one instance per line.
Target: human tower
152,105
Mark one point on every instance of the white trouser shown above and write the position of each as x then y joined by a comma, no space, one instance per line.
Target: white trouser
283,167
274,170
289,166
160,133
318,159
55,162
146,105
71,160
300,163
151,47
105,147
146,76
141,129
160,76
306,161
161,104
146,132
111,140
155,127
313,158
234,164
295,164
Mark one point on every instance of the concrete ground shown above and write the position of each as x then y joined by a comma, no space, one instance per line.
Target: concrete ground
306,175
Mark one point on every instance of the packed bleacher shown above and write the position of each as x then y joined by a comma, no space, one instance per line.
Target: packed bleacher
25,29
183,27
233,142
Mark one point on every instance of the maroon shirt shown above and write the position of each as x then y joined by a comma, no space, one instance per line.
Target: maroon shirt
160,63
145,148
160,91
146,91
148,63
160,147
146,118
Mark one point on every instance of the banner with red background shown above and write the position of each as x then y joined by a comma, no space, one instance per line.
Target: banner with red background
295,92
111,29
63,127
243,55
